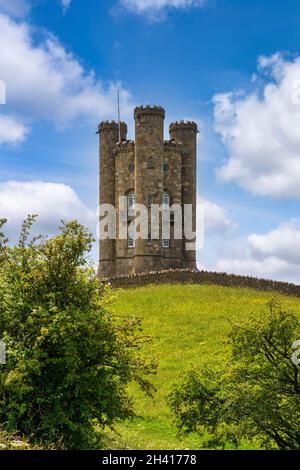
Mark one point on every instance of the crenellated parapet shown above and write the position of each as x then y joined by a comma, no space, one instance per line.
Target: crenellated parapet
183,126
173,146
112,126
126,146
149,111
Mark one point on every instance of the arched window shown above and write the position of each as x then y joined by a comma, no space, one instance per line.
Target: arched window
131,201
166,200
131,204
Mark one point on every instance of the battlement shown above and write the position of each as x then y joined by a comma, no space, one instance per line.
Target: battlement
126,146
149,111
172,145
179,126
112,126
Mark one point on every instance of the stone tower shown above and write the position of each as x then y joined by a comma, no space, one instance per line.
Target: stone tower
149,170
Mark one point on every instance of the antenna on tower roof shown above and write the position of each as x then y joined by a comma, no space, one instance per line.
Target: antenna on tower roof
119,117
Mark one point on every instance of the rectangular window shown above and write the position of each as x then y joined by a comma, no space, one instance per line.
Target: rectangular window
166,243
131,241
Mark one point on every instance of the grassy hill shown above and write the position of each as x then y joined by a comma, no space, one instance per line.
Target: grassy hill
189,323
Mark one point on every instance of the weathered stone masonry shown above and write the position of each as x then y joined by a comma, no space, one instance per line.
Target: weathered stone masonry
147,168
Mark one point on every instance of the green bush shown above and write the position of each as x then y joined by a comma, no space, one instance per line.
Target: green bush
255,398
69,360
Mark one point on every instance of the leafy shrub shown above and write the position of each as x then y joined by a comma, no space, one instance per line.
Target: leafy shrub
256,397
69,360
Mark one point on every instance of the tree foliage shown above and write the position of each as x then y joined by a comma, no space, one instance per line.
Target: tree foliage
256,397
69,360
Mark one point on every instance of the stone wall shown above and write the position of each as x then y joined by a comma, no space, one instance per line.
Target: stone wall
109,136
124,183
149,177
186,134
173,256
182,276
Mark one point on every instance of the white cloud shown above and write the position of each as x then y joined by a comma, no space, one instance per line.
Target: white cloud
216,218
271,255
213,224
17,8
53,202
269,268
261,131
282,242
66,5
153,7
46,82
11,130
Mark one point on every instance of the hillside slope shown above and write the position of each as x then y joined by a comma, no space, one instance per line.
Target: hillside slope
189,323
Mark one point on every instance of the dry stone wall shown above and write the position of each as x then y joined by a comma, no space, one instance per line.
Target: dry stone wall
186,276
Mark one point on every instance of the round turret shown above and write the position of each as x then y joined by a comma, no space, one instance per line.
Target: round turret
113,128
179,127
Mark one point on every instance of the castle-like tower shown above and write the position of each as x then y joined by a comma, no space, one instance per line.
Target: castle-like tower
149,170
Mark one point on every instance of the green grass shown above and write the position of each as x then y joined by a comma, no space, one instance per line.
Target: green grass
190,325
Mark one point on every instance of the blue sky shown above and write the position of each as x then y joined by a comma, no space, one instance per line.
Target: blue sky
231,65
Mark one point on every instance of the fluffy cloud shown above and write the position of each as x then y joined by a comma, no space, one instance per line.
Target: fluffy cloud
51,201
281,242
11,130
17,8
269,268
55,87
213,222
271,255
153,7
216,218
66,4
261,131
